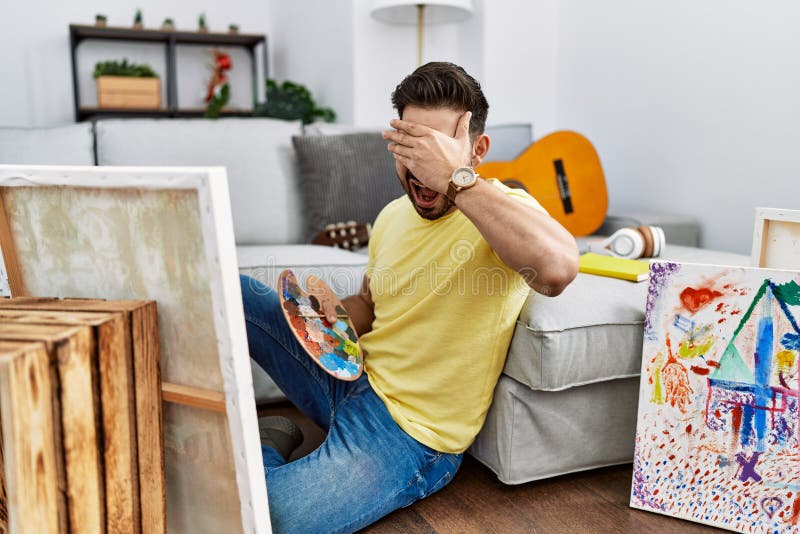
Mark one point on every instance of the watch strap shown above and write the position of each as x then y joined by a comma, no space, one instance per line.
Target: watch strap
452,189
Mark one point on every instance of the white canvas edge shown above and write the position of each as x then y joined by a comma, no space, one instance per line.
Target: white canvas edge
215,213
233,351
682,518
768,214
105,177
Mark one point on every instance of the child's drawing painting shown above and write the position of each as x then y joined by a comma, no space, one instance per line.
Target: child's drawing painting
718,439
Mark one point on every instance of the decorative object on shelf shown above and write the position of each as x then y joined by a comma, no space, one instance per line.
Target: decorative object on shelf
123,85
292,101
100,20
168,24
123,68
420,12
219,91
168,42
233,29
202,27
137,20
717,428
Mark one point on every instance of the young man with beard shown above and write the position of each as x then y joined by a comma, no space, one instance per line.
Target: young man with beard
450,265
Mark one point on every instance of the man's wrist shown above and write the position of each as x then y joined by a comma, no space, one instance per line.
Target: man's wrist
474,191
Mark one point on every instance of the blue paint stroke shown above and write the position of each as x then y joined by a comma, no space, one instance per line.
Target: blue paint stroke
763,368
791,341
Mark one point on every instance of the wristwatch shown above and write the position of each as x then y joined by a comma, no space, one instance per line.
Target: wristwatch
462,178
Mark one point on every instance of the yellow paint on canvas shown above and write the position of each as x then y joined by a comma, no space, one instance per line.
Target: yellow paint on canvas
692,349
785,360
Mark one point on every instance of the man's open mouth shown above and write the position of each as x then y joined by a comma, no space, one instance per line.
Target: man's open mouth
423,196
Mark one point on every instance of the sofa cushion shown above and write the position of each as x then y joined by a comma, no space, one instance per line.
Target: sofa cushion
344,177
61,145
257,154
342,270
529,435
591,332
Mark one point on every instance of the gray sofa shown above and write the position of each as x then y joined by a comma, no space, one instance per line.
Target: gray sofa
567,398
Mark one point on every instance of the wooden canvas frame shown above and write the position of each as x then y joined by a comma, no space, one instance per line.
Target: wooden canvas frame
776,239
209,187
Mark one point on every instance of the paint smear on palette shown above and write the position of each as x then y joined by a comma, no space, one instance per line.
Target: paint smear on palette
334,347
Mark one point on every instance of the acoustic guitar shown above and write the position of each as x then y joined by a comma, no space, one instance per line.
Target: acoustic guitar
563,172
349,235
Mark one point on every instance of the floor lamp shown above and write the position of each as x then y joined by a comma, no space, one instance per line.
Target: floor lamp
421,12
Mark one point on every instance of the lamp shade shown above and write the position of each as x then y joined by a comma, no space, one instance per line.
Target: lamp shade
436,11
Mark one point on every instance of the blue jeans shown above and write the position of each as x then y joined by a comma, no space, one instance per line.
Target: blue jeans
366,468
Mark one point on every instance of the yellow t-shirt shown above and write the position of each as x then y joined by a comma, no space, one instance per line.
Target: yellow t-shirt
445,310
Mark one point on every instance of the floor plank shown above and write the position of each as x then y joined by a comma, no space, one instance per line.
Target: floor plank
590,501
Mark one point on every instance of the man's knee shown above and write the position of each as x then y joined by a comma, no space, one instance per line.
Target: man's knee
257,297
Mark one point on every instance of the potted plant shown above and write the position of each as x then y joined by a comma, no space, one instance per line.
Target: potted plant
233,29
123,85
202,27
168,24
137,20
292,101
100,20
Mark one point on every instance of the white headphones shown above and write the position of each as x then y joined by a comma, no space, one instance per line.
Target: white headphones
640,242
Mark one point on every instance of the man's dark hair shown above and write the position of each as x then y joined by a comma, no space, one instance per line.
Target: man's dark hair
441,84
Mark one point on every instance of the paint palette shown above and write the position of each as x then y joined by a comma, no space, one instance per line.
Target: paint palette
334,347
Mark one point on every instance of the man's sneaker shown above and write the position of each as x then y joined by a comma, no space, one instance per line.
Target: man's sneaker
280,433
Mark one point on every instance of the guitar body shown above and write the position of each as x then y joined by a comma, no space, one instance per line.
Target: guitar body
563,172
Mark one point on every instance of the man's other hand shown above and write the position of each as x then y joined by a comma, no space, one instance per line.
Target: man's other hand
430,155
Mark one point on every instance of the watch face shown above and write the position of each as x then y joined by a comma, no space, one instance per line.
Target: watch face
464,176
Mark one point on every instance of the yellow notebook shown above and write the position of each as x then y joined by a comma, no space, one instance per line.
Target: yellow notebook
634,270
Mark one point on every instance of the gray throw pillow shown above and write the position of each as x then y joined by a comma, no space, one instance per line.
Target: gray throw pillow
344,177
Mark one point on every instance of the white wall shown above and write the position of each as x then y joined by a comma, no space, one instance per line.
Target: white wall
520,59
384,54
35,60
311,42
694,107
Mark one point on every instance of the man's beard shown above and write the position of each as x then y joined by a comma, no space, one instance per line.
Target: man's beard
418,194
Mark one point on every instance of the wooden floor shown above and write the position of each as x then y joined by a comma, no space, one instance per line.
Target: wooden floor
591,501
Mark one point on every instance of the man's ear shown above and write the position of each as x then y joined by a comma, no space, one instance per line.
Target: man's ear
480,147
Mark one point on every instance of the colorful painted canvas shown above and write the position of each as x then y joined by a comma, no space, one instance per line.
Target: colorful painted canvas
718,437
334,347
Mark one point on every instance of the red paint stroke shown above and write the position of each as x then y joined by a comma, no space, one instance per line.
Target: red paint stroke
694,299
700,370
736,312
793,519
689,429
719,307
721,321
736,419
712,363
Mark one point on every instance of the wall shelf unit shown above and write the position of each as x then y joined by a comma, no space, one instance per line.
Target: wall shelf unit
170,39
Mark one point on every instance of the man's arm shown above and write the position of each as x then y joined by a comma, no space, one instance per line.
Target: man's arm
527,240
361,308
530,242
